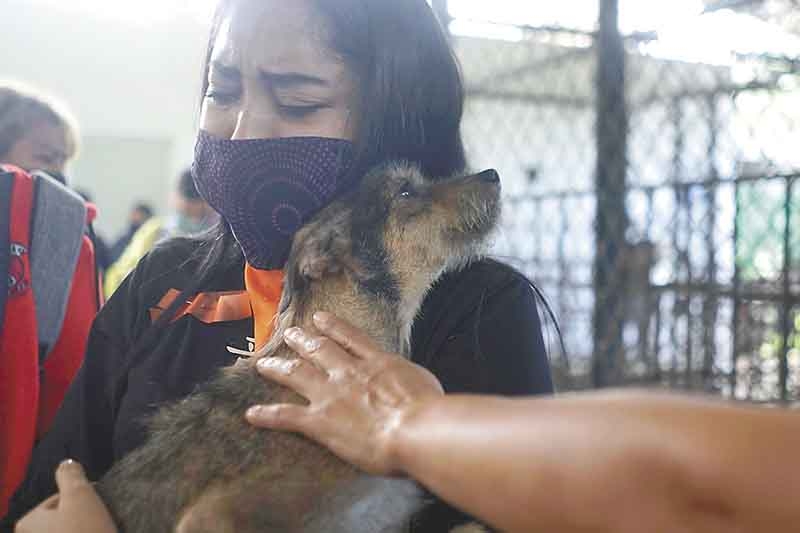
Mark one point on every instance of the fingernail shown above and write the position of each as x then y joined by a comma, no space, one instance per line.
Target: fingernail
321,318
70,466
312,345
294,334
253,412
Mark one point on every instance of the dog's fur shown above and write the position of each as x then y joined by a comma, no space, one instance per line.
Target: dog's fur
370,258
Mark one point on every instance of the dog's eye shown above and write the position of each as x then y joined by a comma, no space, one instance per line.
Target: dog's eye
406,191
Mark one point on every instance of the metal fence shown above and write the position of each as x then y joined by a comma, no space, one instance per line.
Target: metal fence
656,202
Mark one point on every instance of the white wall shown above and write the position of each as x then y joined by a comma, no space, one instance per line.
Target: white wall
133,88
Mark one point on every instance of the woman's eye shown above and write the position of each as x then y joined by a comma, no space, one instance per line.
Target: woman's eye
299,111
220,97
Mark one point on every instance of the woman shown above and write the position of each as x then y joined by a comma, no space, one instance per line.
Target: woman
325,89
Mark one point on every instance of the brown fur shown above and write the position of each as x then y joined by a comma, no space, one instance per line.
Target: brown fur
369,257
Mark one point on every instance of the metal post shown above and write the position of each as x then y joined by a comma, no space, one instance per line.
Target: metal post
710,302
737,284
786,311
611,219
679,304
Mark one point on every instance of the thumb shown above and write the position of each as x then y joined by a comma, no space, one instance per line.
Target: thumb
69,476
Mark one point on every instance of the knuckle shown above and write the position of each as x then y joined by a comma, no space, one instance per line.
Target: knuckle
287,416
82,489
292,366
347,339
323,344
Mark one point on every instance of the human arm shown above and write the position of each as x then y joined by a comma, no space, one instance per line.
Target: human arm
76,508
619,461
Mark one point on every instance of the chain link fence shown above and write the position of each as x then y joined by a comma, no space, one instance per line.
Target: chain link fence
656,202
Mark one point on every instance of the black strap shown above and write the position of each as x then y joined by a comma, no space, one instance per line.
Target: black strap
6,187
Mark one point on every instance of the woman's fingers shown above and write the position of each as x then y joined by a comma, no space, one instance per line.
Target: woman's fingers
76,507
50,503
301,376
319,350
70,476
283,417
347,336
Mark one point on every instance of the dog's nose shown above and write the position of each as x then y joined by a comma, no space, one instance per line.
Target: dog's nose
489,176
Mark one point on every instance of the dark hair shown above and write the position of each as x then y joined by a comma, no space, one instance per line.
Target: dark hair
186,187
144,209
409,84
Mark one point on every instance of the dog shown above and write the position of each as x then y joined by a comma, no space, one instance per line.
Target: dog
370,257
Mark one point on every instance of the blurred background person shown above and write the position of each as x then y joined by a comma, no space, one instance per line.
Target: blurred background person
191,215
35,132
139,214
101,250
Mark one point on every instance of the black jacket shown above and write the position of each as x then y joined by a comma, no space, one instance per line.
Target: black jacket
478,332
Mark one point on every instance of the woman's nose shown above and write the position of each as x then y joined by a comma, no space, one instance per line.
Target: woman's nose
254,125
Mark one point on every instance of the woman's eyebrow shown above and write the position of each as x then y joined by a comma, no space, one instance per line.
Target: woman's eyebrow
283,80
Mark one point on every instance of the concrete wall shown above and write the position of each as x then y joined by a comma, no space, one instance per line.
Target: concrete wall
133,87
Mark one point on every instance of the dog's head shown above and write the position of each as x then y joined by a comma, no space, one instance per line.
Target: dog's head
395,235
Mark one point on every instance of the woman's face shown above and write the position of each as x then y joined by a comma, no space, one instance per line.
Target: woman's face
271,76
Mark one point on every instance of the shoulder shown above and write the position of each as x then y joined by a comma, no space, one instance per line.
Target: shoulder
173,261
133,290
483,278
172,266
468,296
479,331
179,264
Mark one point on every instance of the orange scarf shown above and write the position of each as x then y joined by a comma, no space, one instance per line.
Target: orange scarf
260,300
264,290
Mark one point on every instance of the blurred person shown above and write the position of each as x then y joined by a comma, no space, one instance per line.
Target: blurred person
35,132
300,99
191,216
139,214
101,251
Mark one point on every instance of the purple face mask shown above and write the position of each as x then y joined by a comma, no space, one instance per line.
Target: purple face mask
266,189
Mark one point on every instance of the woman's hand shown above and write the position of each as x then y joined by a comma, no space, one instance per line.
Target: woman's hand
76,507
357,393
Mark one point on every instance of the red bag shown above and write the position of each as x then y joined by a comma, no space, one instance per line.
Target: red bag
31,391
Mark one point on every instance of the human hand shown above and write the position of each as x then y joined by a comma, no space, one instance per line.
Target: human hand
76,508
358,394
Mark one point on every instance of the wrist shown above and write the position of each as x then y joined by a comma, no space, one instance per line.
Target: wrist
402,435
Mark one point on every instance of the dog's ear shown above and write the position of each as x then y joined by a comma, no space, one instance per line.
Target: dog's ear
319,249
